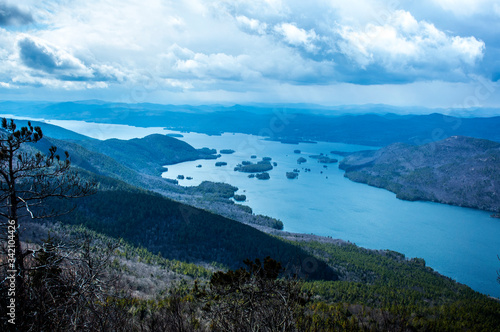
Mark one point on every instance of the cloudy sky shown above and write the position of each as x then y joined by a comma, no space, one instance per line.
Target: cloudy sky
433,53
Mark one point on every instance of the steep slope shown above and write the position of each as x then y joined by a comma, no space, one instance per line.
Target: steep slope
148,154
186,233
378,290
102,164
459,171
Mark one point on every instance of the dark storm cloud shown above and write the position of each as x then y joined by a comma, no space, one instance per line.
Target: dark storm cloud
60,64
11,15
39,57
53,61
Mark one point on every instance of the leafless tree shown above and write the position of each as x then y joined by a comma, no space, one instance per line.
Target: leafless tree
69,286
253,299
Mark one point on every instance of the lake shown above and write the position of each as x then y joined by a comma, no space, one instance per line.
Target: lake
457,242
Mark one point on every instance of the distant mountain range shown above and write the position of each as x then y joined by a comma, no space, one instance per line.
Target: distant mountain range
374,125
459,170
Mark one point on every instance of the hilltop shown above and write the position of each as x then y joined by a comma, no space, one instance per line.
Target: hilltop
149,154
459,170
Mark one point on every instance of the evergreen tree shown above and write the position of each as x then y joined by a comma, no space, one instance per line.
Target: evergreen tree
27,179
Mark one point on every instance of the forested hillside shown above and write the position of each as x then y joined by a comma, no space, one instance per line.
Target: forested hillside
461,171
149,154
183,232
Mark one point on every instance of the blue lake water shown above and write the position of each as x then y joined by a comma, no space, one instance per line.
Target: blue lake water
457,242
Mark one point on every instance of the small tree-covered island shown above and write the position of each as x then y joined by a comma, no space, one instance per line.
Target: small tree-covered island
249,167
240,198
301,160
323,159
263,176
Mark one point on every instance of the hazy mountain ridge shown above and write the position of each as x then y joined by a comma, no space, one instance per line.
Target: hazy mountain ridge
460,171
374,125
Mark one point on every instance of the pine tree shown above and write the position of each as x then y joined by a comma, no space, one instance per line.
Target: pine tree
27,179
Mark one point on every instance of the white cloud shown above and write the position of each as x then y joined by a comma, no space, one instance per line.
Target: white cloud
496,9
264,9
189,46
181,62
469,7
214,66
296,36
28,60
251,24
403,42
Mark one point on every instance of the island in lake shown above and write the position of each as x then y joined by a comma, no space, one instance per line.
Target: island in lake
263,176
248,167
324,159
